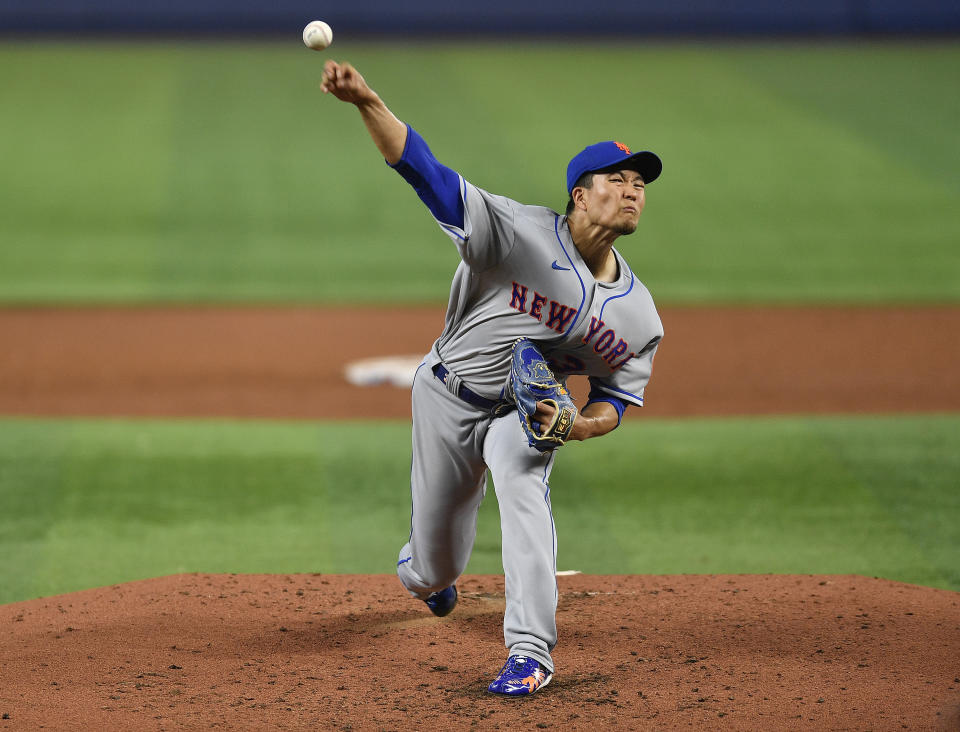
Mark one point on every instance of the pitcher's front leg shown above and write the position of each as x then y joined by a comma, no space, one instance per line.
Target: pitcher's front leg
521,480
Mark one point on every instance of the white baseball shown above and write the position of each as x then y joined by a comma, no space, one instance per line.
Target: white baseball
317,35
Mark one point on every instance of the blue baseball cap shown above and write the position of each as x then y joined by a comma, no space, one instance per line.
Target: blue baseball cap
612,155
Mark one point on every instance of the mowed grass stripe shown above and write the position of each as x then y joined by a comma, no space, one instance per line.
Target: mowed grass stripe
88,503
217,171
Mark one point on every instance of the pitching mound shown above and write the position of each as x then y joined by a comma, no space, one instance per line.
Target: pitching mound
353,652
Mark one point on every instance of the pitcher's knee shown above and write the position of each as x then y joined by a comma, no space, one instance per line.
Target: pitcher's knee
436,581
420,579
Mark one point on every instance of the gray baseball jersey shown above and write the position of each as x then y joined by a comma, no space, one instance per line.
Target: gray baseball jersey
520,276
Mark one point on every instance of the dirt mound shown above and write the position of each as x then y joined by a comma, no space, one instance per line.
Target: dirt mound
354,652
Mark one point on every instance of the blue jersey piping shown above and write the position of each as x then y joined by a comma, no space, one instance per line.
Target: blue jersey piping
606,387
553,529
614,297
583,287
451,230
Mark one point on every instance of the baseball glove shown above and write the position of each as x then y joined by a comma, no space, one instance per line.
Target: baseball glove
532,381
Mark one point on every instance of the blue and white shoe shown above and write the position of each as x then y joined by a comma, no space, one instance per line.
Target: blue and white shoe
520,676
442,603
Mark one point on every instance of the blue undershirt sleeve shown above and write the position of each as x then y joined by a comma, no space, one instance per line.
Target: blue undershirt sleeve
437,185
601,396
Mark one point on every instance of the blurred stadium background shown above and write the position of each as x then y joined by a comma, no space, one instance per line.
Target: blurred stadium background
181,154
530,17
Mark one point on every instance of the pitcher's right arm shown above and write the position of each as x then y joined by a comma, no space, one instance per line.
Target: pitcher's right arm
404,150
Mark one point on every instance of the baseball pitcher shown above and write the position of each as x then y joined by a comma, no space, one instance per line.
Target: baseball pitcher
537,296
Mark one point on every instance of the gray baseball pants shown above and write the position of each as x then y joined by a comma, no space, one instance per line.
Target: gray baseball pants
454,445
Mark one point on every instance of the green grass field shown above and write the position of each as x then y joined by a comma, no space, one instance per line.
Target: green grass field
218,172
89,503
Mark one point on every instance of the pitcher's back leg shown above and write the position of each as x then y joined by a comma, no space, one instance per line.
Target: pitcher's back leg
447,483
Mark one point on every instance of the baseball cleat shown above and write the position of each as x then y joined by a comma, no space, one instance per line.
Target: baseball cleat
520,676
442,602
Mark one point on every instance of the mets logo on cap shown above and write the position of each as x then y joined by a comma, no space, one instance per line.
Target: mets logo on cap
610,155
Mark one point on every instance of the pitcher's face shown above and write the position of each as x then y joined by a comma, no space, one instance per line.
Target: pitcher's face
615,200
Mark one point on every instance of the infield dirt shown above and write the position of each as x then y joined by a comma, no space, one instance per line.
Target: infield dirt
350,652
289,362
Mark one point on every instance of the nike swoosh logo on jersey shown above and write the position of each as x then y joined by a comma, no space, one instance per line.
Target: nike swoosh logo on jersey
557,266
